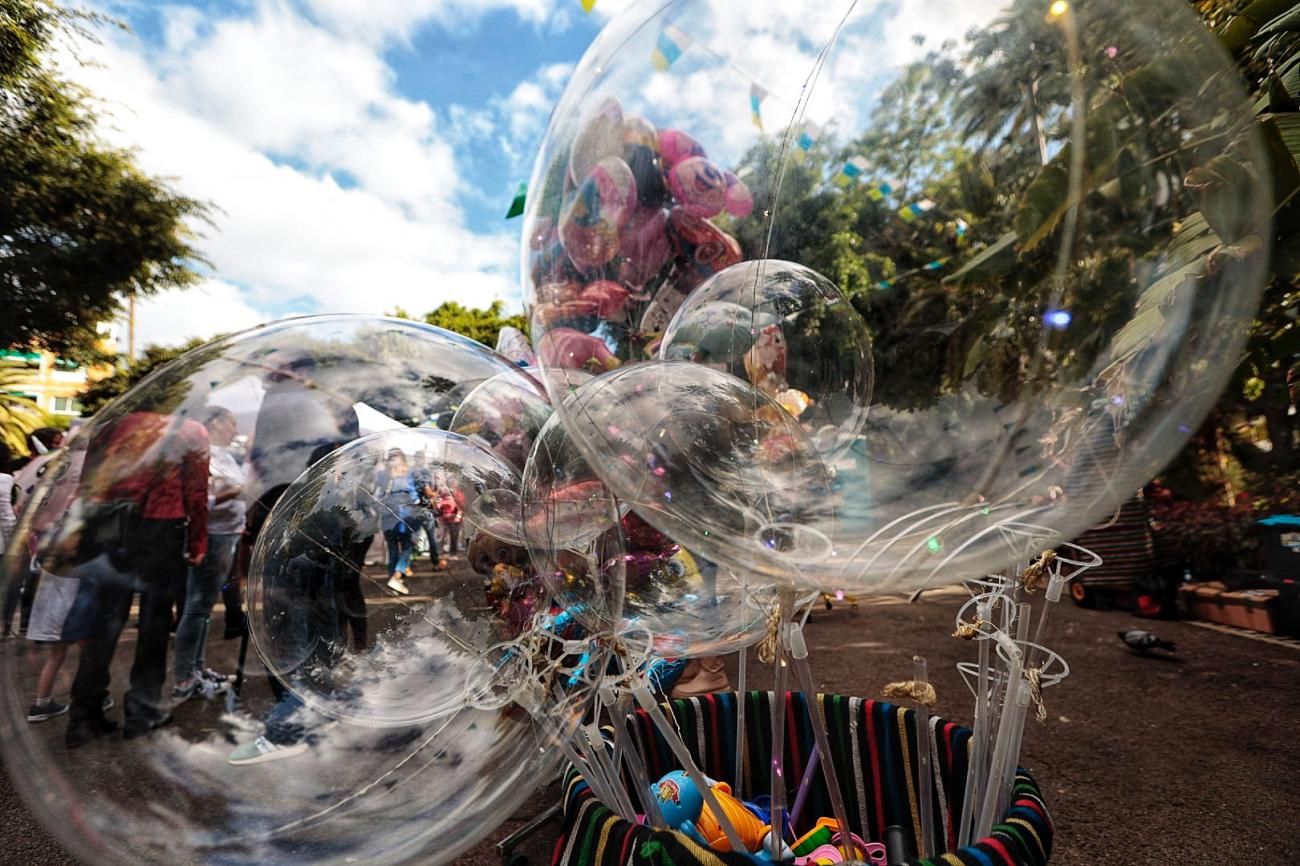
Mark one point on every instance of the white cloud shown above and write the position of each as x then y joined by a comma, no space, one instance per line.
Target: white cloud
335,193
210,308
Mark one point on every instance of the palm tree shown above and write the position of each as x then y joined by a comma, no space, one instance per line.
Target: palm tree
19,415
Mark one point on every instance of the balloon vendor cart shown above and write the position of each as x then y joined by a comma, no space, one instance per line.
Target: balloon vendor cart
875,744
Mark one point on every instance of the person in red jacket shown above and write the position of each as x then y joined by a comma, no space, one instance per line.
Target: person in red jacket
144,503
450,516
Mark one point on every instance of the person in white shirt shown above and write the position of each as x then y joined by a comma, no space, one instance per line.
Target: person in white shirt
227,479
8,520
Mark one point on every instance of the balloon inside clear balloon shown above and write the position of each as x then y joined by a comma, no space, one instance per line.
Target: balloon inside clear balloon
1049,291
329,738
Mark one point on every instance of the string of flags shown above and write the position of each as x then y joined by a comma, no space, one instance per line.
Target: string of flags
935,265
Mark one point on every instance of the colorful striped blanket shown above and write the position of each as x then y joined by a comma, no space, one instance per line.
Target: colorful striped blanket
874,746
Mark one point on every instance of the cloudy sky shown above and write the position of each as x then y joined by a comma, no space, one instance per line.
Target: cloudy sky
360,155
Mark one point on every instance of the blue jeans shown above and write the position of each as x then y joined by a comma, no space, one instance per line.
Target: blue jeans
201,591
400,546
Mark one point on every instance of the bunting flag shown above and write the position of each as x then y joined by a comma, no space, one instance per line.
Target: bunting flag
808,135
588,5
517,206
756,95
851,170
910,212
670,45
880,192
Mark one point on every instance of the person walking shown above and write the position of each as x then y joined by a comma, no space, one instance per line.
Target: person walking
144,491
450,516
395,493
226,514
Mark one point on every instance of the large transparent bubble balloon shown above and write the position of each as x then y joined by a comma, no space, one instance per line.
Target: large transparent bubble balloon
712,461
618,575
136,750
744,319
504,413
1052,217
309,618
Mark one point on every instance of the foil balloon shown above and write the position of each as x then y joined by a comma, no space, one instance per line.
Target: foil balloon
1047,288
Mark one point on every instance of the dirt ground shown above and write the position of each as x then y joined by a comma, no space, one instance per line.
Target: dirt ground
1143,760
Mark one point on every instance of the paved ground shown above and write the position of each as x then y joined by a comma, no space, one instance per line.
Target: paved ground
1144,761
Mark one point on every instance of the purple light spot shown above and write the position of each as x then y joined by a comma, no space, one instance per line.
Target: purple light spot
660,471
1057,319
1183,428
613,431
1112,52
668,494
1118,399
839,595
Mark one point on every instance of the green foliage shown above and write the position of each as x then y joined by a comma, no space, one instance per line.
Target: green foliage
477,323
82,227
19,415
99,394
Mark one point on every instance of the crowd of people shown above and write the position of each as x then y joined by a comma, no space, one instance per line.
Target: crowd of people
155,513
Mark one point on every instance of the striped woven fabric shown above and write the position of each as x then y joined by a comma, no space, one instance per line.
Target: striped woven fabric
874,746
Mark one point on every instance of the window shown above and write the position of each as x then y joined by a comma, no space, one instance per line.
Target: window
67,405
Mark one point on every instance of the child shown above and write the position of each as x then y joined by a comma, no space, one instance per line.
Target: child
450,516
61,615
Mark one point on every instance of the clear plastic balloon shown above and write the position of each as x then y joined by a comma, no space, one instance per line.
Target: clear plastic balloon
304,588
1052,216
140,754
504,413
710,460
743,320
616,574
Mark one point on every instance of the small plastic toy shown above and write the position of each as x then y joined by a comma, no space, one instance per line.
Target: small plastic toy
683,808
821,845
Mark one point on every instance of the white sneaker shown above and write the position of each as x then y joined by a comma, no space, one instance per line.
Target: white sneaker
397,585
262,750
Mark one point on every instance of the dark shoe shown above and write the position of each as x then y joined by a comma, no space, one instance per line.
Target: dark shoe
48,710
82,731
137,728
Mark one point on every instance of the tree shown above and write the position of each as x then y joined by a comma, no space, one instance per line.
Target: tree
101,393
19,415
82,226
477,323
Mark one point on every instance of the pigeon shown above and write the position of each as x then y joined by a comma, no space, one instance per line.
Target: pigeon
1144,641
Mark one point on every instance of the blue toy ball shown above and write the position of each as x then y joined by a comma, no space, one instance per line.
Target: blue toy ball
678,798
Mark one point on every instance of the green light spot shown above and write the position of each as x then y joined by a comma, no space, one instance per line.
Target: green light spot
985,510
934,545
